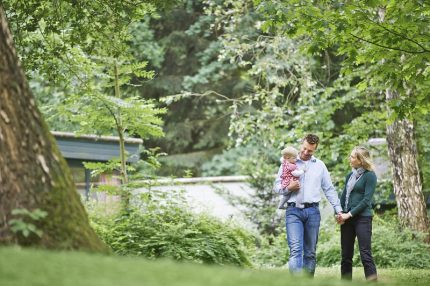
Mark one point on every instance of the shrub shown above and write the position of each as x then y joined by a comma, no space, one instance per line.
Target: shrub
271,251
393,247
161,226
227,163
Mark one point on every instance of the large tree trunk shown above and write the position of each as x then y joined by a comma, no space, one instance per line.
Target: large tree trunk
33,174
407,182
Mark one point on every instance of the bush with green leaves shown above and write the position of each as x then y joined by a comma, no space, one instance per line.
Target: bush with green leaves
24,223
227,163
271,251
392,247
161,225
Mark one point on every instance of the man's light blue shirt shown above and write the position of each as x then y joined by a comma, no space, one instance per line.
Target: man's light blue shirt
315,178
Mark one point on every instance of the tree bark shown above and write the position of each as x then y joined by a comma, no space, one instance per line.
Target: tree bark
407,183
33,174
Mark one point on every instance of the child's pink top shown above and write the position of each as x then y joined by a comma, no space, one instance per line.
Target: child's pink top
286,175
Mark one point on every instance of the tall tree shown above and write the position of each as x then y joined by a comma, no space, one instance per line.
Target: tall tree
407,183
190,64
33,174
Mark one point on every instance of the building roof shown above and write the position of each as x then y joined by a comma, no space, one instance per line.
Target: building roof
93,137
95,148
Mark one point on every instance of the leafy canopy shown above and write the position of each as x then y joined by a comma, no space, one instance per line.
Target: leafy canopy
388,37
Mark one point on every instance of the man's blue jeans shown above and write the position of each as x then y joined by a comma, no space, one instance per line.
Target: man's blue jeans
302,234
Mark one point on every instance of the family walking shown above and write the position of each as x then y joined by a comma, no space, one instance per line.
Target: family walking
300,178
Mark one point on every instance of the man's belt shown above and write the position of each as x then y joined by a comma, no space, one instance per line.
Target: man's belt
305,205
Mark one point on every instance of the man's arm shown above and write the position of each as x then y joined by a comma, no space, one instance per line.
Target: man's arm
330,191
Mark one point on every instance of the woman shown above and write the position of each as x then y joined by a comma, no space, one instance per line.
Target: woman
356,219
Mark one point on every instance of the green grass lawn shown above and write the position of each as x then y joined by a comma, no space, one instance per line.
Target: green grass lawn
36,267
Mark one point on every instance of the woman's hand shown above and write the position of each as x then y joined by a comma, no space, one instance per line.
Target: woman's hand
342,217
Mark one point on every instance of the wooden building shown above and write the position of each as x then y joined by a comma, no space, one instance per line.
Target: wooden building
77,149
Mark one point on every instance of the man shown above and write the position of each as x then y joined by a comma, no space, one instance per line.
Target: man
302,215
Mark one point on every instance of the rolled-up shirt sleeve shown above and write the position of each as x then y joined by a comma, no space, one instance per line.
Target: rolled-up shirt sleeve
330,191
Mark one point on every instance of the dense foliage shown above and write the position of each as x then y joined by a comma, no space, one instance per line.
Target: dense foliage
235,61
188,62
162,226
388,37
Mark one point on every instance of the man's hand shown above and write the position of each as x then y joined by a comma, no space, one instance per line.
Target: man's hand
339,219
294,186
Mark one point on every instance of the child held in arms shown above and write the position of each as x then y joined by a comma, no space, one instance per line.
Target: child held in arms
290,172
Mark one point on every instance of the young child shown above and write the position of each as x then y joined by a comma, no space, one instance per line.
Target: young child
289,170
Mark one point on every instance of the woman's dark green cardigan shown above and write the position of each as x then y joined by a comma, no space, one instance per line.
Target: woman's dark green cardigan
360,198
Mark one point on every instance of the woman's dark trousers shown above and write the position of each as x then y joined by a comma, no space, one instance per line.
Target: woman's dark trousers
360,227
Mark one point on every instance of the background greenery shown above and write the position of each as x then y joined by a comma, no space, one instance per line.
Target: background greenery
246,79
162,226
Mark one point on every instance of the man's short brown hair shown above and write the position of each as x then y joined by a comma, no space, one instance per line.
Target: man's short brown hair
312,139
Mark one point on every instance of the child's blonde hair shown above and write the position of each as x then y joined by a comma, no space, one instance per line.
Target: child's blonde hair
289,151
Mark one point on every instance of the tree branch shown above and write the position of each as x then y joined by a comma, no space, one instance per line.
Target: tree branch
387,47
206,93
392,31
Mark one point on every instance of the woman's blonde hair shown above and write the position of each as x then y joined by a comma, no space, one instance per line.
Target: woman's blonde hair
363,155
